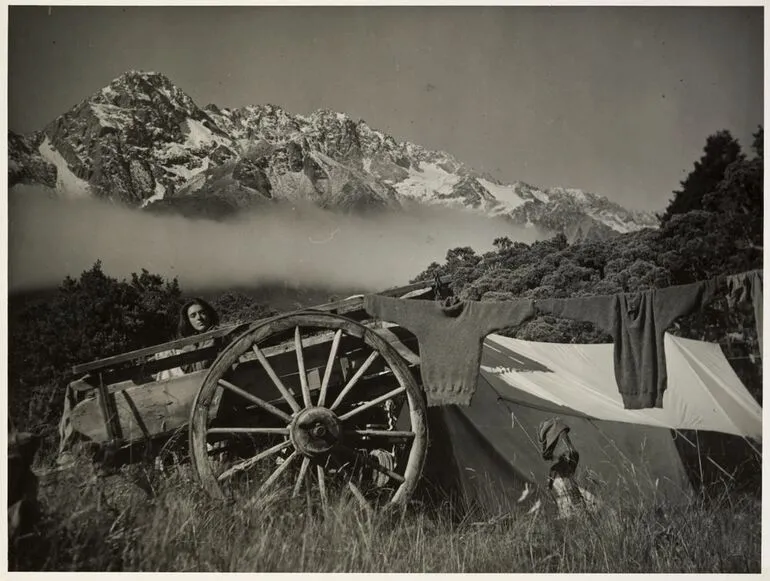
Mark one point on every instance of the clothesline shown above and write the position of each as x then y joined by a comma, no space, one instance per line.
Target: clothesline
451,335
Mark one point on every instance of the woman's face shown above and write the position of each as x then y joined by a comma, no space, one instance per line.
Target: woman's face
198,317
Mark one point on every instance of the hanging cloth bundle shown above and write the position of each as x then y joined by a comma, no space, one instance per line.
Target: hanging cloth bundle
747,287
555,444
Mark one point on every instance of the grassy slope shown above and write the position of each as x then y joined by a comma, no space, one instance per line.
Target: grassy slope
110,523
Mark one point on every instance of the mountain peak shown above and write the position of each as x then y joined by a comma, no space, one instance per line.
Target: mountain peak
137,73
138,76
141,85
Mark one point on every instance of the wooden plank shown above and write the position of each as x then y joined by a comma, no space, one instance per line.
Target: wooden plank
102,398
109,408
163,409
148,351
350,307
143,373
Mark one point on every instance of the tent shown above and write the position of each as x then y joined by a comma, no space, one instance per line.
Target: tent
493,461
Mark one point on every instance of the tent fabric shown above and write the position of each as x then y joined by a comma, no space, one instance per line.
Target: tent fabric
704,393
488,453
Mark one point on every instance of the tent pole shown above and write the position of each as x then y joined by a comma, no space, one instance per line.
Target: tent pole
757,452
725,472
709,458
700,465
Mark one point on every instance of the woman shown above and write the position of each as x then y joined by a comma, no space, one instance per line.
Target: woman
195,317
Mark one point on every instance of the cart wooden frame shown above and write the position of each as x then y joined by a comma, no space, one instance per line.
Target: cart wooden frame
302,405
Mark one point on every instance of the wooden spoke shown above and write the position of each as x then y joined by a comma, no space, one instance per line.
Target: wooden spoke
246,464
394,434
272,478
254,399
302,475
301,367
359,496
216,400
329,367
374,402
353,380
322,488
280,431
276,380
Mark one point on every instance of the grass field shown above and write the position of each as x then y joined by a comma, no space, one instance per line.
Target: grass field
140,520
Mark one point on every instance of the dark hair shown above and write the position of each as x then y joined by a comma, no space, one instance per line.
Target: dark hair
184,328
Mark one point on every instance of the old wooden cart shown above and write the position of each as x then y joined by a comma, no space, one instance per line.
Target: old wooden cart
304,404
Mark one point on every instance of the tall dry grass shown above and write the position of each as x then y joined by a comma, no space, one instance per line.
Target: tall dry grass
141,520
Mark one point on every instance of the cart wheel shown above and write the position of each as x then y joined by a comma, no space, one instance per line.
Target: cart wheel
361,431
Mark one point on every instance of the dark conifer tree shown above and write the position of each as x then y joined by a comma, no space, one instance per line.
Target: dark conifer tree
721,150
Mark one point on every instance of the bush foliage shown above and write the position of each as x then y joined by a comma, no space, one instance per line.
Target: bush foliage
89,318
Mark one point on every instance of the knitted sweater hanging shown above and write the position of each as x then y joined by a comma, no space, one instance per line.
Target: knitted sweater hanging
450,338
637,322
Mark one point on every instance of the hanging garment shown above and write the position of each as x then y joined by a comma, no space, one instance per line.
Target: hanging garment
555,445
636,322
548,434
747,286
450,338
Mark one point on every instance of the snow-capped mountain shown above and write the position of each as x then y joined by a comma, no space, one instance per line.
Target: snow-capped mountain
144,142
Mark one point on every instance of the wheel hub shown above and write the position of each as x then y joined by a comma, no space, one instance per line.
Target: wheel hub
315,431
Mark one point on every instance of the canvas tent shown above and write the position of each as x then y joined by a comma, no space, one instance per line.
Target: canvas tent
487,455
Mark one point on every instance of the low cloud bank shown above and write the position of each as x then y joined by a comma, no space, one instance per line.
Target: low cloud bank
50,238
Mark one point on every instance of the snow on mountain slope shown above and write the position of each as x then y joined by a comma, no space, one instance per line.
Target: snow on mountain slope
66,182
426,181
111,115
198,134
504,193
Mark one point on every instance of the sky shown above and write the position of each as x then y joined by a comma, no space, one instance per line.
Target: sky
618,101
